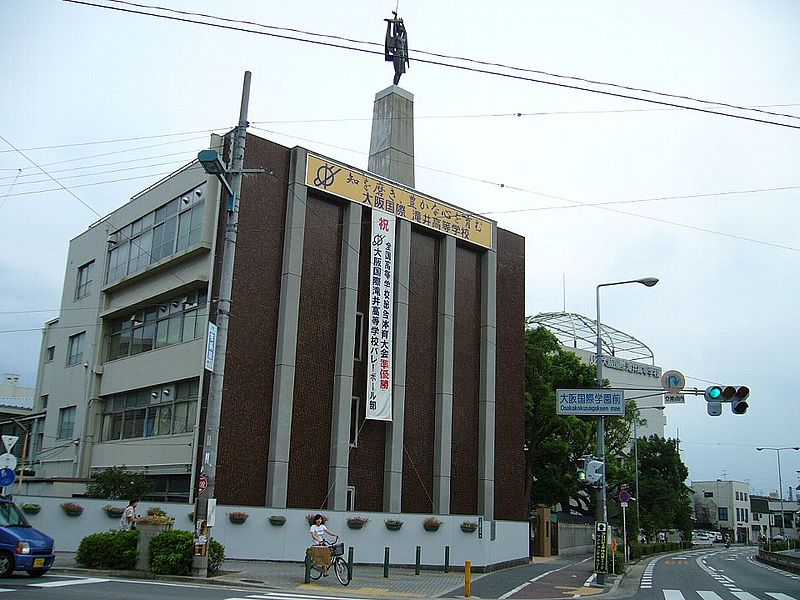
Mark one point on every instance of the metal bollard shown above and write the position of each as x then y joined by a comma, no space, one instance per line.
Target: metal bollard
350,561
386,562
307,577
447,559
467,579
419,557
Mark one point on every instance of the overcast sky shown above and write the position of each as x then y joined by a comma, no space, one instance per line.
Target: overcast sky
709,204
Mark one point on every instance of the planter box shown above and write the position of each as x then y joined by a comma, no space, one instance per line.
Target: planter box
467,529
431,527
277,521
355,524
393,526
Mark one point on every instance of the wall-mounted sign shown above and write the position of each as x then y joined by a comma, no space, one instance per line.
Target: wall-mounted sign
405,203
629,366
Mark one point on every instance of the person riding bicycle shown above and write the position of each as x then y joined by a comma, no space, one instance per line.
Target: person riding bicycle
318,532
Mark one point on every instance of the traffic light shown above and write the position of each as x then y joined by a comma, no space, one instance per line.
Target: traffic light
580,465
739,404
717,394
594,472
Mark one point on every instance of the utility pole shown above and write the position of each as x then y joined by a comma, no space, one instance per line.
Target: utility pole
208,461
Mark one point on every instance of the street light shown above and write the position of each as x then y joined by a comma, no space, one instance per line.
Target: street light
602,510
780,480
636,460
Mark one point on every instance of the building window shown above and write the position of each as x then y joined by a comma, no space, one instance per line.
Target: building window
359,336
178,320
355,405
75,351
351,498
722,513
85,277
708,494
49,353
175,226
38,437
756,516
746,515
163,410
738,514
745,496
44,398
66,423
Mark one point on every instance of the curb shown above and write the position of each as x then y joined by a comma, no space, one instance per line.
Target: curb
145,575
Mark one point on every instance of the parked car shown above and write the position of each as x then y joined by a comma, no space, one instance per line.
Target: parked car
22,548
779,538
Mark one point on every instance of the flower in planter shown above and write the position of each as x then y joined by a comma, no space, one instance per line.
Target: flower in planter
357,522
31,508
469,526
113,511
156,516
73,509
277,520
393,524
310,518
237,516
431,523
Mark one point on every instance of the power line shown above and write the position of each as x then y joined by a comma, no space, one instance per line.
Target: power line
455,57
484,71
114,141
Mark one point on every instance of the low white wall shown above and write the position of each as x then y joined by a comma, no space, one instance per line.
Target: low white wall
575,538
257,539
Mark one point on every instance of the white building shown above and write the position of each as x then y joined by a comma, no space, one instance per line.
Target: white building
628,363
723,506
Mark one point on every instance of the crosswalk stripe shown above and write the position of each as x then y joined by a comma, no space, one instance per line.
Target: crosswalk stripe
708,595
7,590
779,596
52,584
745,595
673,595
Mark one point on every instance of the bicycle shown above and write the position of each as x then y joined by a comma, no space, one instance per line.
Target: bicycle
336,561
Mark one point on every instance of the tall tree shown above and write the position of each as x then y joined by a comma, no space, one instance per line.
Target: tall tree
665,501
553,442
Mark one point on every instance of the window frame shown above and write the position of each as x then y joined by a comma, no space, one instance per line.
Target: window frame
75,349
83,283
61,433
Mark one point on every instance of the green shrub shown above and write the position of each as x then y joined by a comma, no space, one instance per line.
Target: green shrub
108,550
616,563
171,553
216,556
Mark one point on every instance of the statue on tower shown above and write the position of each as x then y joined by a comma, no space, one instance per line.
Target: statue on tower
396,48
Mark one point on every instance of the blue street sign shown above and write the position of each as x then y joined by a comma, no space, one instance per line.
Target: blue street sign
7,477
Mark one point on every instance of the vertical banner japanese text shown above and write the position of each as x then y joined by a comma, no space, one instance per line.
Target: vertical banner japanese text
380,318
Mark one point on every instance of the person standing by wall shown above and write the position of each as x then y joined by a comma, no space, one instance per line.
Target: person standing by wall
128,520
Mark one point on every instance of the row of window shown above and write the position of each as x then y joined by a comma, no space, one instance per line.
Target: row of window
741,496
169,229
178,320
164,410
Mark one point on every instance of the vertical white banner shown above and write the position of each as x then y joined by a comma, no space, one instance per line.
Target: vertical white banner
379,321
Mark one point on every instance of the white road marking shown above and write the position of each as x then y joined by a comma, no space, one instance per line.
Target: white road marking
673,595
779,596
708,595
53,584
745,596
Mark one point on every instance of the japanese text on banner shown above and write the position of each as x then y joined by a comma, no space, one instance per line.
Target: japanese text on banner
380,319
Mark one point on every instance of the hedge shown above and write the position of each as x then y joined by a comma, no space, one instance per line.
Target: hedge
108,550
171,553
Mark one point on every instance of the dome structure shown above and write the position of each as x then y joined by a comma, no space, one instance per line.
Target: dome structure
576,331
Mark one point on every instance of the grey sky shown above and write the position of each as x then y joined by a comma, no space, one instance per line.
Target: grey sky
725,309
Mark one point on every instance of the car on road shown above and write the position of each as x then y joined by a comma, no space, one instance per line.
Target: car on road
22,548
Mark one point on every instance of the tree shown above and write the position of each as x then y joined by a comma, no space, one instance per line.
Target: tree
553,442
665,502
116,483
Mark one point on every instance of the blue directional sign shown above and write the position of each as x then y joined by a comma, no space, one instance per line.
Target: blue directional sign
7,477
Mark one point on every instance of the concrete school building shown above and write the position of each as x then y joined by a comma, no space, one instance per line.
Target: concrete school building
328,326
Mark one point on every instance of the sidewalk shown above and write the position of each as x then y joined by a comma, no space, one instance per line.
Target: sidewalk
368,581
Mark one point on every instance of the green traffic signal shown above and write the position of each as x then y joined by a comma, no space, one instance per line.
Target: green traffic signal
713,392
